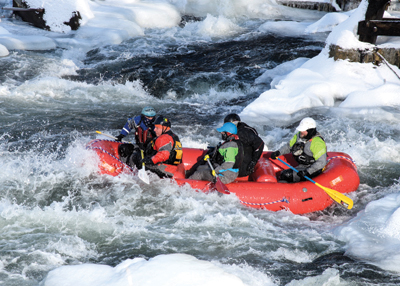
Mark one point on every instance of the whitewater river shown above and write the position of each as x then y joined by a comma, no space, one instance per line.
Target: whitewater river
56,210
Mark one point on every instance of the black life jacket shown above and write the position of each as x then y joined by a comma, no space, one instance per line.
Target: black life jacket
298,151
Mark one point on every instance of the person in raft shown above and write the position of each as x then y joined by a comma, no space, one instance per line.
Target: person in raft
143,126
144,134
309,150
227,159
164,151
253,145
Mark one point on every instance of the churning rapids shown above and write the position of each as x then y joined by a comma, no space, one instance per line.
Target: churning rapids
56,210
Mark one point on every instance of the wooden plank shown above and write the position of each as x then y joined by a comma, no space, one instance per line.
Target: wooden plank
375,28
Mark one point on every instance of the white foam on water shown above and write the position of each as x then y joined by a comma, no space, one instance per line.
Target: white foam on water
330,277
212,27
284,28
61,91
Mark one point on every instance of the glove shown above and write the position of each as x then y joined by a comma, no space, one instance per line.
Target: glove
302,174
147,161
140,145
210,150
275,155
250,167
119,137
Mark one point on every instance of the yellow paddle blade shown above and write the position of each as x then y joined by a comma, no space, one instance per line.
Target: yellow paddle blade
338,197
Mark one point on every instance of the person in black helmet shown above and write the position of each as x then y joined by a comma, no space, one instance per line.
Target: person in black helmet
253,145
165,151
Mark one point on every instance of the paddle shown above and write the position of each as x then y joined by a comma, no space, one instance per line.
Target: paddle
109,136
142,172
335,195
218,184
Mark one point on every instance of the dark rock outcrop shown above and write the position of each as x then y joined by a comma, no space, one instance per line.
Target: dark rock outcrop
34,15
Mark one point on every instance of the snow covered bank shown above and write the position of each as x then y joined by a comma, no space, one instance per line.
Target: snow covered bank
173,269
103,23
373,237
323,82
58,12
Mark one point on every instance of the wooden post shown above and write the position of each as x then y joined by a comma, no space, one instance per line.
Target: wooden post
368,32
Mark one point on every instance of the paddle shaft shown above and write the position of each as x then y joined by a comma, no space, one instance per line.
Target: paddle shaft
109,136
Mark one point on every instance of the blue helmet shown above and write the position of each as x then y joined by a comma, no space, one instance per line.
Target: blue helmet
228,127
149,111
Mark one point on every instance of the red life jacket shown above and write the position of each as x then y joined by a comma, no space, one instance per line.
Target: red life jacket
167,149
143,136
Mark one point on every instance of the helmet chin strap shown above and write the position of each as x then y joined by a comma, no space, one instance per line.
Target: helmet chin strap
164,129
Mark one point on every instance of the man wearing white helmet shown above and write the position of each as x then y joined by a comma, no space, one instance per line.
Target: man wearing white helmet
309,150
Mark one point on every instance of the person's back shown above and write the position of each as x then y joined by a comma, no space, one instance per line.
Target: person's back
253,145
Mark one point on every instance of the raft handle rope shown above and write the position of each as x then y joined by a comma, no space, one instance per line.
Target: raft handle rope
343,157
284,200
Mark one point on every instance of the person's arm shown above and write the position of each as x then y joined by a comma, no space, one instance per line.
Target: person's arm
163,145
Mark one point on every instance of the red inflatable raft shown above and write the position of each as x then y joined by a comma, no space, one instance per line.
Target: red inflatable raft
261,189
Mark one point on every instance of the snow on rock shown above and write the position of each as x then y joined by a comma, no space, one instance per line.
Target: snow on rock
3,51
59,11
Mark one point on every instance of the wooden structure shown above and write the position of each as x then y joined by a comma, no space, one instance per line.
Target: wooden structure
332,6
375,25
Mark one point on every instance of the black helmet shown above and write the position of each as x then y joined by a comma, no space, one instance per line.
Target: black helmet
231,118
161,120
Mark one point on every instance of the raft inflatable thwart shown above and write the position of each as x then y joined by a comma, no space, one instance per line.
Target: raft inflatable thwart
259,190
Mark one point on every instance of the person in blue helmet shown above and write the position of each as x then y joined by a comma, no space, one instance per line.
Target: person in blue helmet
143,126
227,157
253,145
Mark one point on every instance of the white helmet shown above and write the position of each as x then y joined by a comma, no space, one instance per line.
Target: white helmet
306,123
